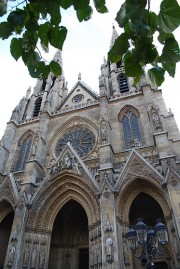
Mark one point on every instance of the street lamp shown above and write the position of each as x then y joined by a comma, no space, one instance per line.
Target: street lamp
148,240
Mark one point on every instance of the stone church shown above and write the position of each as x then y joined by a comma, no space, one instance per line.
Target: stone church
78,168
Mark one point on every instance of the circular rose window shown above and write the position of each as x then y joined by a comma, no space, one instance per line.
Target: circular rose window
78,98
82,140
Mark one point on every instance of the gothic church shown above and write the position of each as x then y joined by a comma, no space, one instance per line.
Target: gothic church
77,168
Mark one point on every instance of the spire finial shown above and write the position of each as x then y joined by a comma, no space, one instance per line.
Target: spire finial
79,76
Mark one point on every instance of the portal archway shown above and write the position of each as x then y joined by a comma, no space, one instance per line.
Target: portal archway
69,246
6,221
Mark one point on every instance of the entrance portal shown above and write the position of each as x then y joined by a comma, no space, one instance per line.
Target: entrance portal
5,230
70,238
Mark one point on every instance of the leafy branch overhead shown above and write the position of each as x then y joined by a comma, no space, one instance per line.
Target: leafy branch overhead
135,47
34,23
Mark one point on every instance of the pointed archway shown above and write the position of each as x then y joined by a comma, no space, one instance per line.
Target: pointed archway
69,246
6,221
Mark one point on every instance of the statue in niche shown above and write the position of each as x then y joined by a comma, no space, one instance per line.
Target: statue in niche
26,256
155,119
11,255
125,253
104,133
99,253
67,162
34,148
41,259
75,166
34,257
109,249
92,254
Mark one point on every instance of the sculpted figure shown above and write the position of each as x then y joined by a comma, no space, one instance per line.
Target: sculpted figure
11,254
42,259
26,256
109,249
34,257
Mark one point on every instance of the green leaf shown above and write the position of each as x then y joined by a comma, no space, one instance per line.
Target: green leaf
150,53
170,56
121,16
18,17
120,47
55,68
152,20
169,16
3,7
141,28
135,9
16,48
57,35
30,58
39,70
29,40
163,37
53,8
156,75
84,14
5,30
100,6
66,3
43,33
80,4
132,68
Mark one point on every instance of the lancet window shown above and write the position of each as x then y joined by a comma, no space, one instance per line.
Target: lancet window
131,129
24,154
123,84
37,107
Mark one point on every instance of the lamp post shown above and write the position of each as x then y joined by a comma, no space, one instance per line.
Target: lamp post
148,241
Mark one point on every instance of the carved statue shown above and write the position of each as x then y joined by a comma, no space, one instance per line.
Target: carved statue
34,257
67,162
125,254
41,259
28,199
75,166
92,255
11,254
26,256
109,249
104,134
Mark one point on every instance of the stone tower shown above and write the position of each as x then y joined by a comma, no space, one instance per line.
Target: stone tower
77,168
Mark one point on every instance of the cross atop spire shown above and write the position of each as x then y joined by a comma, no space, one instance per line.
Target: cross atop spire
114,36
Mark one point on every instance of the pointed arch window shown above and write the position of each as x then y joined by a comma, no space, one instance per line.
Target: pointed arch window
132,134
24,154
37,107
123,84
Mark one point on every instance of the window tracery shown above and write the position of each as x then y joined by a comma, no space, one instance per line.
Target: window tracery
132,134
81,138
37,107
24,154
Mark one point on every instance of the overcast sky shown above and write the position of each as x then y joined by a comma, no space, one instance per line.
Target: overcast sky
86,45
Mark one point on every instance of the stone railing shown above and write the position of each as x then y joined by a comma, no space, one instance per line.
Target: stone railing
132,92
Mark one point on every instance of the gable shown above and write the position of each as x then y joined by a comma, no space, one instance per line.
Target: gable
80,94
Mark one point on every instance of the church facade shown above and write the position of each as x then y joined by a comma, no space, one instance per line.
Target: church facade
78,168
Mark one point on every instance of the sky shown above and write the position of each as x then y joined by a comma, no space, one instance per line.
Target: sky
85,47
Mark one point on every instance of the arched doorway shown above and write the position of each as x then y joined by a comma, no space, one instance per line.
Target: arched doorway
146,207
5,229
70,238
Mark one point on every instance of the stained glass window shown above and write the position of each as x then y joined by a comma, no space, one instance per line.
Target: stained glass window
24,154
78,98
132,134
82,140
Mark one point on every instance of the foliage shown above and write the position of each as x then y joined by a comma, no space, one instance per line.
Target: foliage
38,22
135,47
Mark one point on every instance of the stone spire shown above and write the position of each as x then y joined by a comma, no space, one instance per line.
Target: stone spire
114,36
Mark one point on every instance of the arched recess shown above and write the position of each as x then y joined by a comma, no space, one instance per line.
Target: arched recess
70,238
132,189
6,221
54,195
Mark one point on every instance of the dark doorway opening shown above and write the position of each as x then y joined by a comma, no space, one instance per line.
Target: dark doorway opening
70,238
5,230
84,258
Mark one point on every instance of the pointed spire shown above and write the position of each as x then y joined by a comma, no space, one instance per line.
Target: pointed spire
58,58
114,36
79,76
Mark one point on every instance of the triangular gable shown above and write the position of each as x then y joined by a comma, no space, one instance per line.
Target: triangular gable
9,190
137,166
80,94
69,161
172,178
